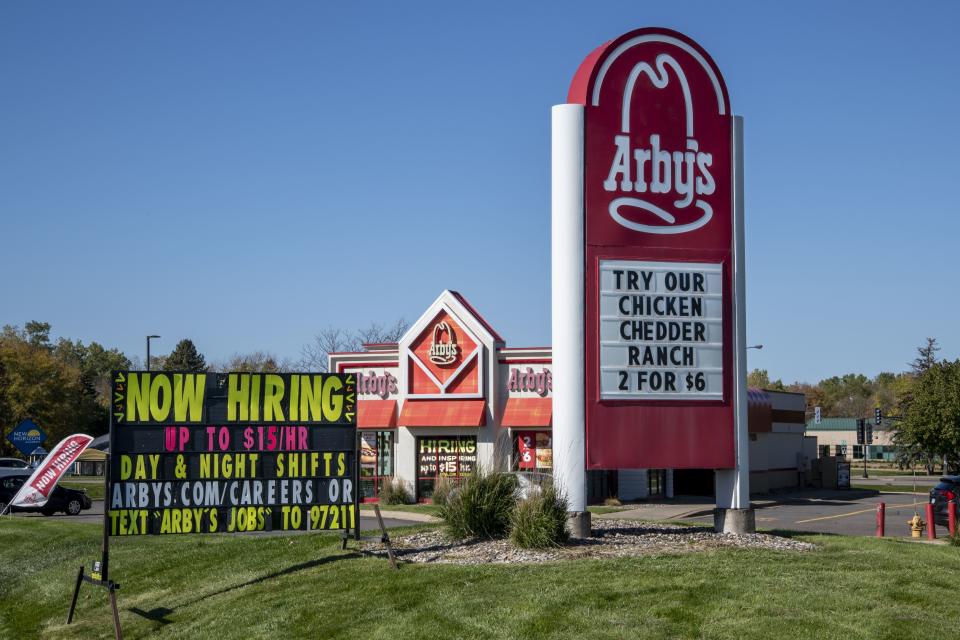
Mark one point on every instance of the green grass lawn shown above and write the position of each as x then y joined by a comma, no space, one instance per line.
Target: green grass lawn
221,586
94,488
881,471
892,488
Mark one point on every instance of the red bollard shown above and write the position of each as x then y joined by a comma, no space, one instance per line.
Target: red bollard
931,526
952,518
881,519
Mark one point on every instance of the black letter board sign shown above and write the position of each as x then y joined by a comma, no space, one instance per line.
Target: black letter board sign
229,452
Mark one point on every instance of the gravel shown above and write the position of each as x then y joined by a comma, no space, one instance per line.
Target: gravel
608,539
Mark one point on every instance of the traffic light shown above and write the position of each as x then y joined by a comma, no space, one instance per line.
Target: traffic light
877,416
860,430
869,434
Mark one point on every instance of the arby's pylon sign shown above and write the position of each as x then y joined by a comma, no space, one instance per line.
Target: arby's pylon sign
658,235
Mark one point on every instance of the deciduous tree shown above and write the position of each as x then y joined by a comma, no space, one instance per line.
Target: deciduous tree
931,424
314,356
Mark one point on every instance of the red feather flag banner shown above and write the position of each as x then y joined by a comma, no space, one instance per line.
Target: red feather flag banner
37,489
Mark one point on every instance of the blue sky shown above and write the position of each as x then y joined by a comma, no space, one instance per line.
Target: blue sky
244,174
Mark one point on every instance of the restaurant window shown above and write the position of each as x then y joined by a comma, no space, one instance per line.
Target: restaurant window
450,458
824,450
533,451
657,482
376,461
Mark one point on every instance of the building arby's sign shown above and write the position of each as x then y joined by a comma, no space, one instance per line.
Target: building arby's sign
658,199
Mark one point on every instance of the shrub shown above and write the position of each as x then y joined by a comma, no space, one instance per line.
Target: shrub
394,491
612,501
954,540
481,506
540,520
442,490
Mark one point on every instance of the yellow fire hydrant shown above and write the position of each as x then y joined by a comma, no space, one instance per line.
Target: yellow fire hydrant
916,525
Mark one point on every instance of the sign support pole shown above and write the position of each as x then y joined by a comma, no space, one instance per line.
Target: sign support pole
567,277
734,513
101,578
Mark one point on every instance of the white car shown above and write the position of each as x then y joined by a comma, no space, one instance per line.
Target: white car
13,465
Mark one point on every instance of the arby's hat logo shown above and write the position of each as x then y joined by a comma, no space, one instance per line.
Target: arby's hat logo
662,151
443,351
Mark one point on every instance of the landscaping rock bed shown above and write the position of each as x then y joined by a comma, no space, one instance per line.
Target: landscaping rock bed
609,539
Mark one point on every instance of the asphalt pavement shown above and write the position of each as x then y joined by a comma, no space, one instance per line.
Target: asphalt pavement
836,515
839,512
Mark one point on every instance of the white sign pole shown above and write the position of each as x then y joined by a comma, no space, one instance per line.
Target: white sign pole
567,277
733,513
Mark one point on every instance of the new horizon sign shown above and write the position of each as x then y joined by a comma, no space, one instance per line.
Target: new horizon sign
648,129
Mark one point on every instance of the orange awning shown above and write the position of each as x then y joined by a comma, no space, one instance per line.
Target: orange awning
528,412
443,413
376,413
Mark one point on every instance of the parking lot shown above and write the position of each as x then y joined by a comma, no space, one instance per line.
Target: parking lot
856,517
851,512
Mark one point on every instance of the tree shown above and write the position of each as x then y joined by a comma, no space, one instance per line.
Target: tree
185,357
926,356
760,379
37,333
315,356
64,387
255,362
931,424
38,385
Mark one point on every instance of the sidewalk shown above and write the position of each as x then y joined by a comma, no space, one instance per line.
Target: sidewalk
660,511
412,516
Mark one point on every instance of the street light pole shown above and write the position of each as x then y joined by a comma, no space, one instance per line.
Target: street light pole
148,350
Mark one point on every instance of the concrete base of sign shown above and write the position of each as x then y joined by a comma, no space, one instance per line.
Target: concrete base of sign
734,521
579,524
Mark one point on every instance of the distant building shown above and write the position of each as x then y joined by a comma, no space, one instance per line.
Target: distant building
838,437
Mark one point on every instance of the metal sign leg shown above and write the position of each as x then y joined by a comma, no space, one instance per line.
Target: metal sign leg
76,592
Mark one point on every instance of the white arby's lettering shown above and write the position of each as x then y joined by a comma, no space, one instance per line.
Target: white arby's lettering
684,173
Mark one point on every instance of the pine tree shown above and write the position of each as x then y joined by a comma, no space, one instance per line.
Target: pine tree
185,357
927,356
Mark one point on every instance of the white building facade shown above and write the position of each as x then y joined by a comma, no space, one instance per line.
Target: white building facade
451,396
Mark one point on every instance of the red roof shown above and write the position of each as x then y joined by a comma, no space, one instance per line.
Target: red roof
528,412
443,413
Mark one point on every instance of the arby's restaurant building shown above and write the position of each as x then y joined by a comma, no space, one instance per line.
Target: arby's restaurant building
451,395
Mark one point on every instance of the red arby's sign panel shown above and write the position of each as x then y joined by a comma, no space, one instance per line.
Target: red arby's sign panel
658,233
445,359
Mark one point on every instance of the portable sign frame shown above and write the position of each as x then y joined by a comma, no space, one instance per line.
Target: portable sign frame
287,443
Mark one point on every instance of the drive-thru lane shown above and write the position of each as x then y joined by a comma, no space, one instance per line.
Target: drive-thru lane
835,515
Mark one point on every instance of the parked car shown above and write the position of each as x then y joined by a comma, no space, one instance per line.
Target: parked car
14,463
69,501
14,466
948,490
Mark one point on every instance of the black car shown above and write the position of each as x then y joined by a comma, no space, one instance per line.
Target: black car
947,491
69,501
